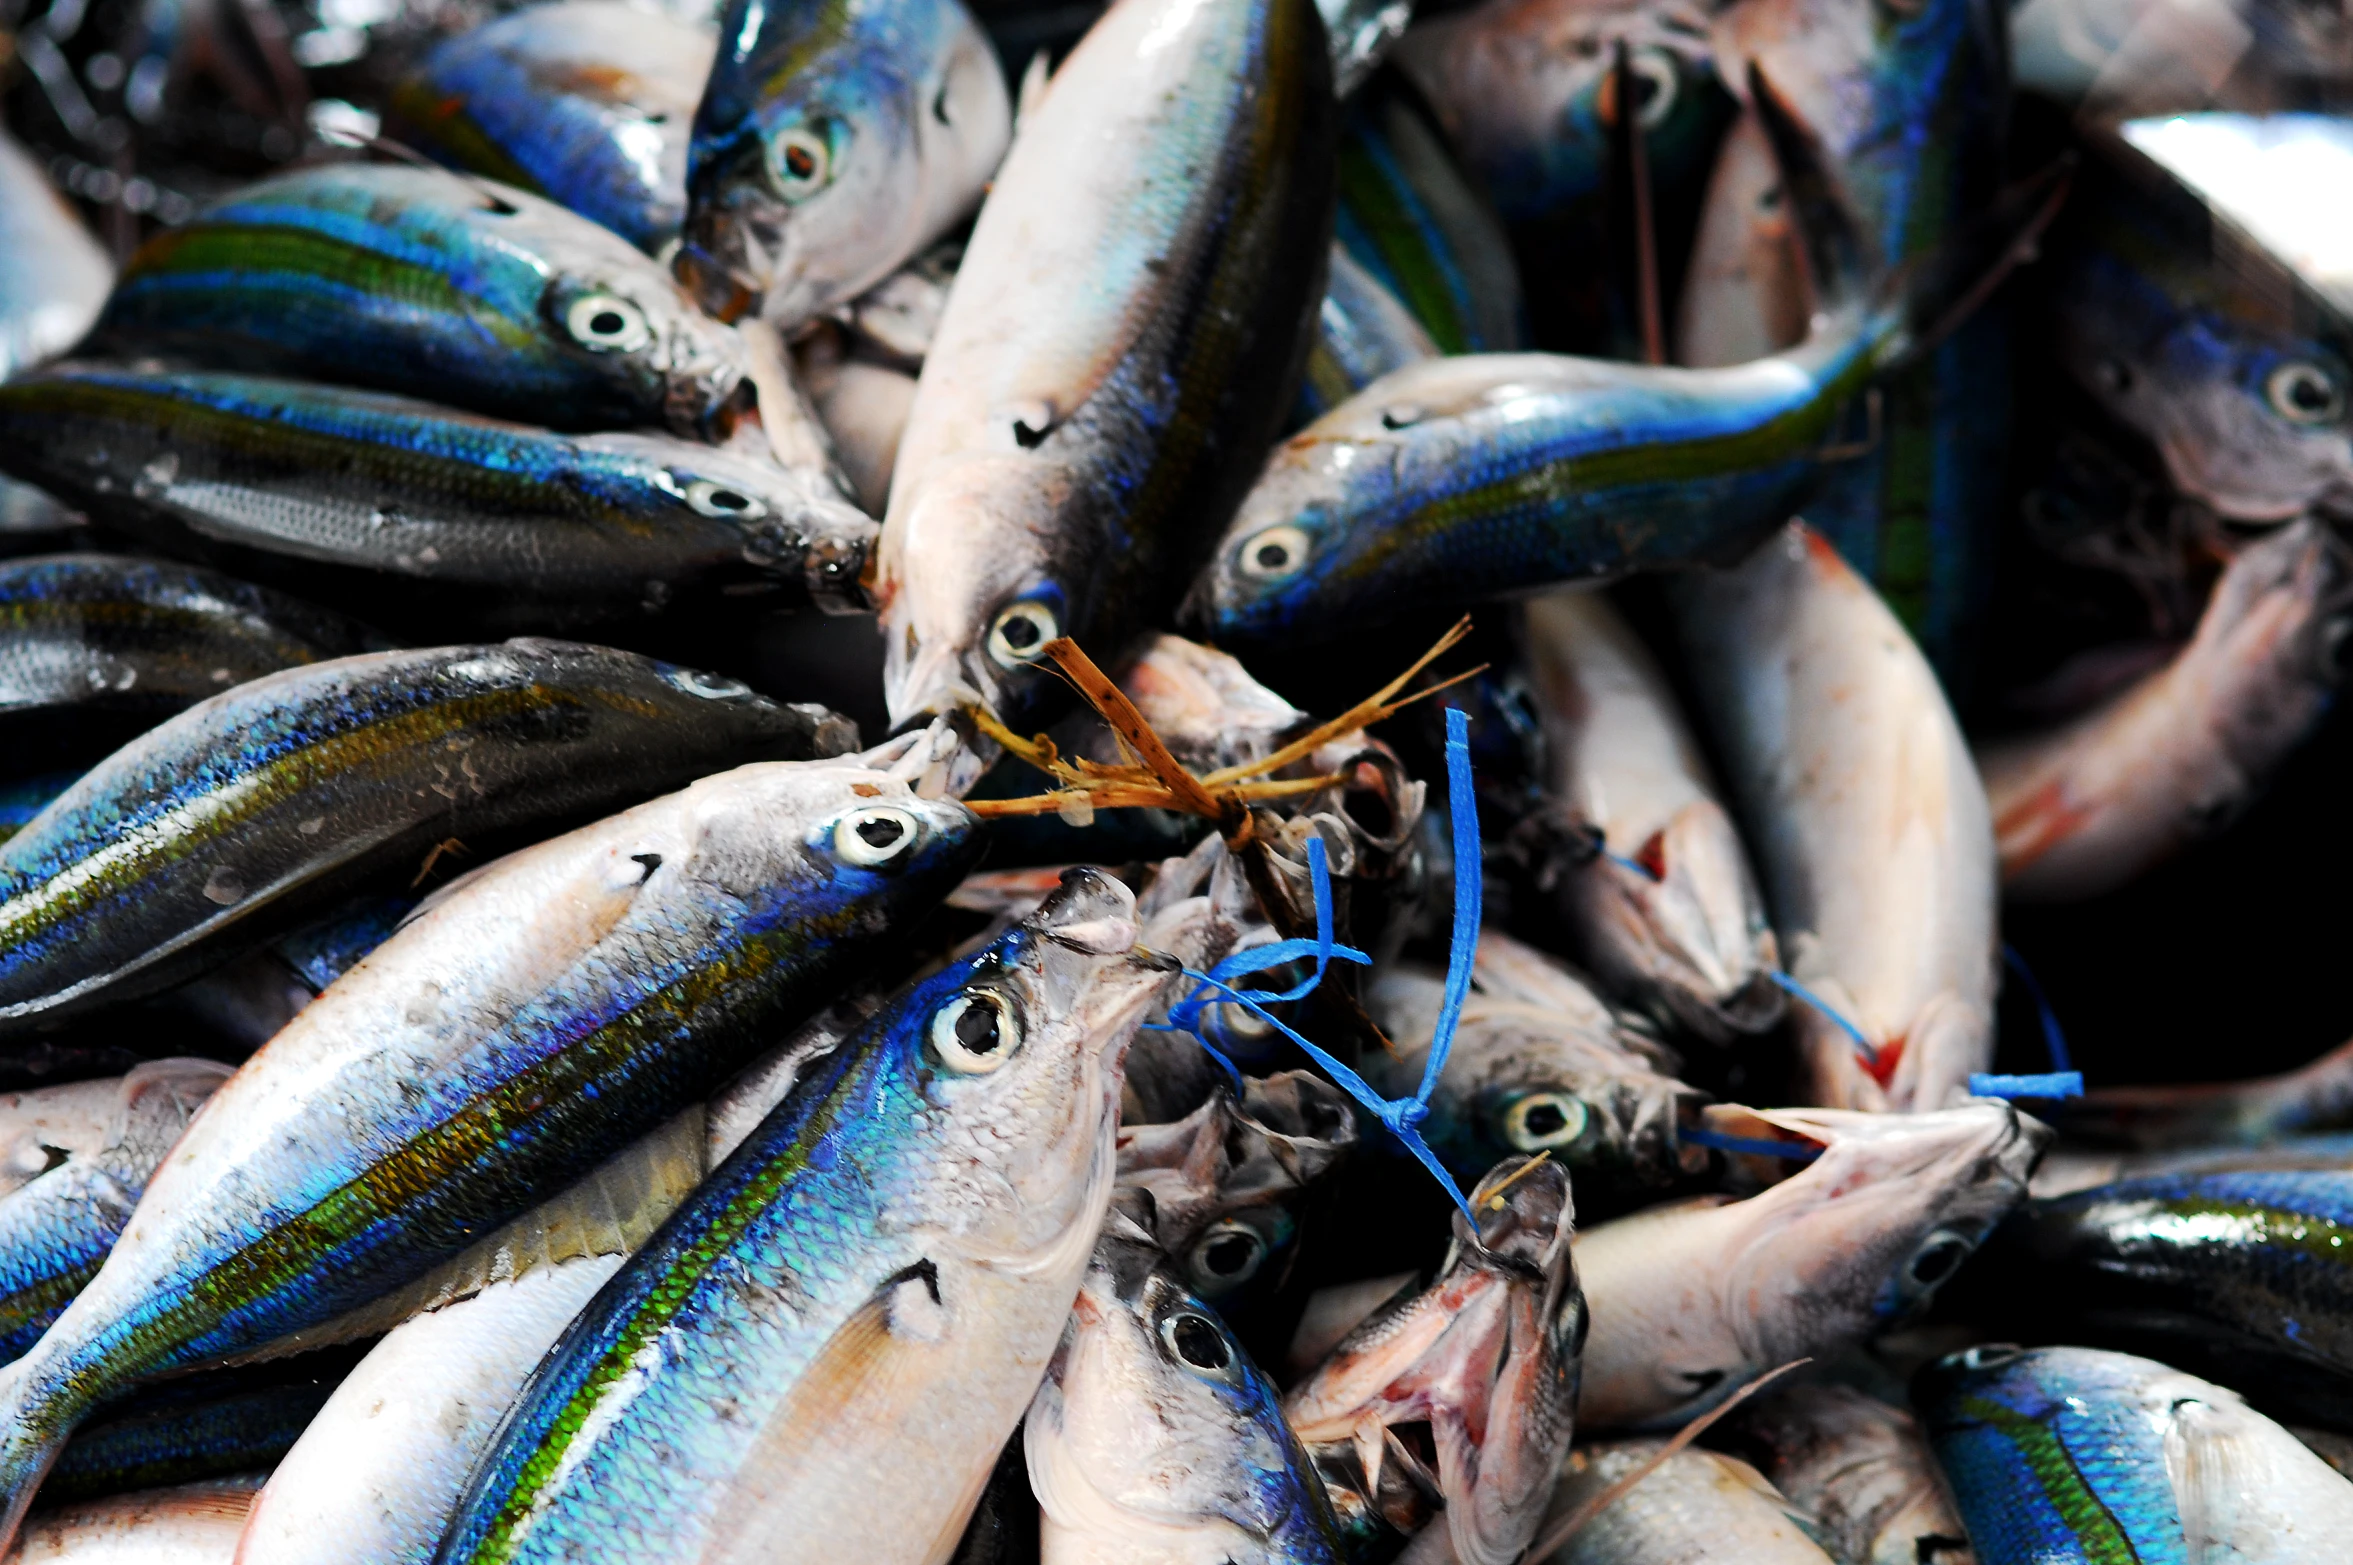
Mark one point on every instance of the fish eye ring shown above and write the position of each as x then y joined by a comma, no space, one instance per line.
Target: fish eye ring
878,835
1654,68
716,499
607,323
1989,1355
1937,1258
1228,1254
799,163
1540,1121
974,1033
1276,552
1020,633
1195,1342
2304,393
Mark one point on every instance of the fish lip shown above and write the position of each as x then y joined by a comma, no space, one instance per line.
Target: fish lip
717,286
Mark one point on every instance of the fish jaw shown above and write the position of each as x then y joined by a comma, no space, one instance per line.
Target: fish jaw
1690,1302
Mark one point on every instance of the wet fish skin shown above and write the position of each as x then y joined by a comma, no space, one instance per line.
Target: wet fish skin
833,143
56,277
1668,913
1862,805
199,1522
2073,1454
1487,1356
1690,1301
2238,1273
963,1254
585,102
1154,1437
1696,1506
1455,482
364,495
573,994
435,285
212,1425
1067,457
1858,1469
2085,808
1363,331
57,1227
94,648
190,844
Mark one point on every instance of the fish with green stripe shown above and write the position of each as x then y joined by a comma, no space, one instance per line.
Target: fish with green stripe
435,284
222,828
423,516
877,1276
562,1001
1124,338
97,648
2074,1456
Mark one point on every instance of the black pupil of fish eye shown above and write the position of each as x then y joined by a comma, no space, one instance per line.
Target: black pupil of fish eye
976,1028
1021,632
1198,1343
729,500
1545,1119
1936,1263
1645,89
1273,556
2309,392
800,162
880,832
606,323
1228,1255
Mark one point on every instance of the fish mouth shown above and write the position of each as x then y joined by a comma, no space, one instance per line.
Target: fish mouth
712,267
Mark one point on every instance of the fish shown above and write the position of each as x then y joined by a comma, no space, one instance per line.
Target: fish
2230,1272
1153,1437
863,406
1206,706
77,1159
932,1269
2087,807
1745,292
1548,1069
57,276
585,102
1363,331
186,847
22,800
1068,458
97,648
435,285
2217,1116
212,1425
2058,1455
1666,914
1857,1470
385,502
1695,1505
1229,1183
571,995
2186,330
832,145
198,1523
1694,1299
1862,804
1486,1356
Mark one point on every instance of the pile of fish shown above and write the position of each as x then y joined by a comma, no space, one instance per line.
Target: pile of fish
1192,781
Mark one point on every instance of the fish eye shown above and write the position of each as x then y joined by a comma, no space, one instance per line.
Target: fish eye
1196,1342
1656,86
1939,1256
1021,632
875,836
1541,1120
1226,1256
800,163
1276,553
607,323
974,1033
2304,393
1988,1355
714,499
711,687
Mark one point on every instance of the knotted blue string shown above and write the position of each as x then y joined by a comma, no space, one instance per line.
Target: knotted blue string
2061,1080
1402,1116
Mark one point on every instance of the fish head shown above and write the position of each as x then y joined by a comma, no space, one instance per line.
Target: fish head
1154,1421
1204,704
821,161
796,526
2256,424
618,311
1228,1179
1289,562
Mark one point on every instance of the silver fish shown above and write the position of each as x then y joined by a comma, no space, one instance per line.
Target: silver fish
1487,1356
2086,807
55,277
1864,809
1697,1506
1858,1469
1692,1300
1667,913
190,1524
1154,1439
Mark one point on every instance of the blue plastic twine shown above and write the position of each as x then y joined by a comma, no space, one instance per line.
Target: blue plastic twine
1790,985
2053,1039
1402,1116
2061,1080
1755,1146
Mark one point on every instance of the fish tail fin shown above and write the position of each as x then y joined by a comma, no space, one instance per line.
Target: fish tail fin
32,1433
1942,289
